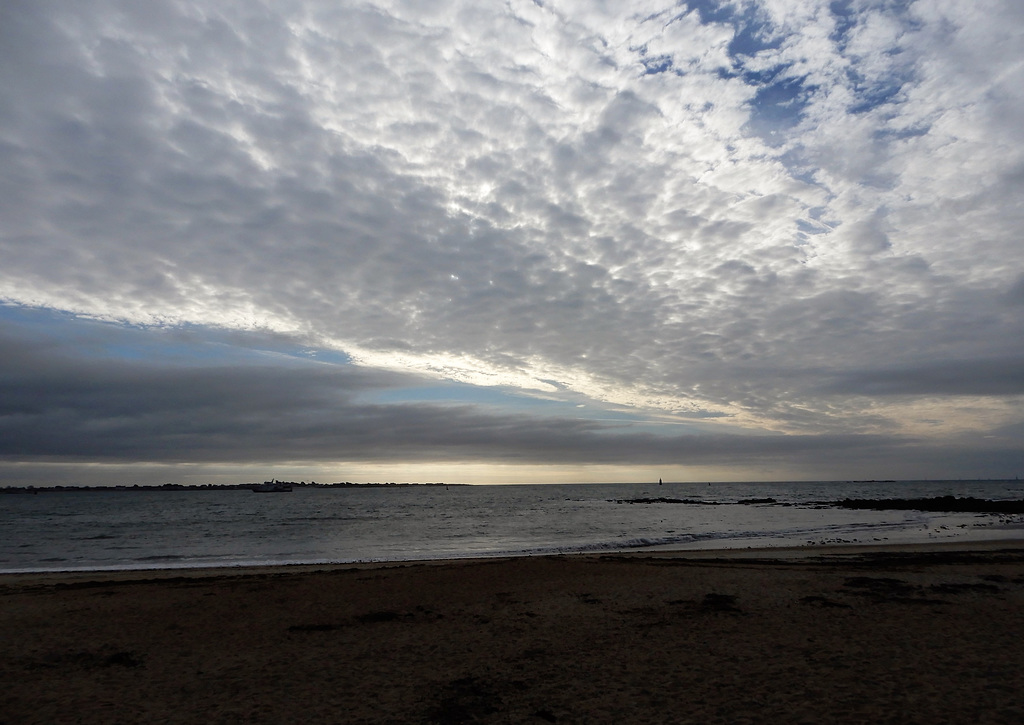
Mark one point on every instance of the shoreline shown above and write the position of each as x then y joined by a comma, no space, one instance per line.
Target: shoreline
307,530
767,554
897,633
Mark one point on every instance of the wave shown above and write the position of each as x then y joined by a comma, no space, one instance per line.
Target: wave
160,557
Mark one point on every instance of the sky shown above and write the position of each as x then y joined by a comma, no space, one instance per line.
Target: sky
519,241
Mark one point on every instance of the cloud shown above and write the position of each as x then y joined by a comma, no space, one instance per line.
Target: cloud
134,412
261,415
785,214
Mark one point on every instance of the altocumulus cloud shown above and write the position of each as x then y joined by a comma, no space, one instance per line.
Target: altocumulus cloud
792,226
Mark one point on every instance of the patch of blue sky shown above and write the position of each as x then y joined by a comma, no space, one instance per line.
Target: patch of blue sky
811,227
20,315
845,20
62,331
656,64
713,11
333,357
753,35
846,14
778,105
871,96
751,40
750,37
188,345
900,134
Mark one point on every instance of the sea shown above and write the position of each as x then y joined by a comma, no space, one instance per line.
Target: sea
197,527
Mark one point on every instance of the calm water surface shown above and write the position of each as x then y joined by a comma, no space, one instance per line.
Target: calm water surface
201,528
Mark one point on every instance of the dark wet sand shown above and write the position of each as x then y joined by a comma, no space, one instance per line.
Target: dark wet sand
851,636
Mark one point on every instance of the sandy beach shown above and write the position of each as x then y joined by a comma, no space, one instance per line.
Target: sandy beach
900,635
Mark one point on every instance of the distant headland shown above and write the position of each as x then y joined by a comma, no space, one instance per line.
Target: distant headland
272,485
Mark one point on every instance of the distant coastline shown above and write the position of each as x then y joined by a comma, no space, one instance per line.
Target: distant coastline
209,486
265,485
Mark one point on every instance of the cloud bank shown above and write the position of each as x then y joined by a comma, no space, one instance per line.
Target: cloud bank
61,406
795,222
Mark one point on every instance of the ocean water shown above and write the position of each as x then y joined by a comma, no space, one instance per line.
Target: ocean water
90,530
